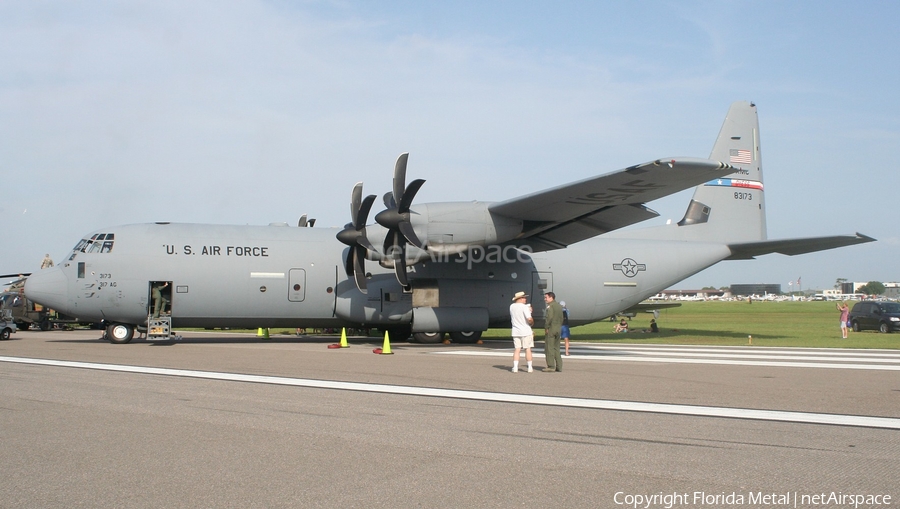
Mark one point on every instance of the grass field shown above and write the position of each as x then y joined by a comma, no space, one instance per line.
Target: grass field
801,324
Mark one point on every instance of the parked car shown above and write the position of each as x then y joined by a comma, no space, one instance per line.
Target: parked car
7,326
880,316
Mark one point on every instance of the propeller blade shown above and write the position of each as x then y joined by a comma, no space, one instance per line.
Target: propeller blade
362,214
363,241
400,176
359,267
391,245
410,193
348,265
407,230
355,203
389,200
400,267
302,222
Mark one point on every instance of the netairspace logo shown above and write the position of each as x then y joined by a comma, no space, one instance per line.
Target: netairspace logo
752,499
475,255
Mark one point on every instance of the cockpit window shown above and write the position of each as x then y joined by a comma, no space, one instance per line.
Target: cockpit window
108,243
95,245
98,243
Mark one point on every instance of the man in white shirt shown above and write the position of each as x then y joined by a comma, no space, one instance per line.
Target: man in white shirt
523,336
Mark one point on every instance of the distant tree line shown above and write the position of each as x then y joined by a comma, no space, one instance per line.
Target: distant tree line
872,288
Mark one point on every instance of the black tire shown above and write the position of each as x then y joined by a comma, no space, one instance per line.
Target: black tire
45,324
120,333
399,334
855,326
428,338
4,334
884,328
466,337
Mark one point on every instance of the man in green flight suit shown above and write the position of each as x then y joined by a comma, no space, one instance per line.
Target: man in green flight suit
160,298
552,327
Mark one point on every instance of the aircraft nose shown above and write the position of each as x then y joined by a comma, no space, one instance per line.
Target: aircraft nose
48,288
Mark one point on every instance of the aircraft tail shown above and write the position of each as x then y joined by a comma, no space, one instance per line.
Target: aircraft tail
731,209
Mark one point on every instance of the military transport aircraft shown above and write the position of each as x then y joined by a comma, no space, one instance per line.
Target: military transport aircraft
434,268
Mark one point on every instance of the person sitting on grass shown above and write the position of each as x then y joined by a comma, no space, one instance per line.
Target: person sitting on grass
622,326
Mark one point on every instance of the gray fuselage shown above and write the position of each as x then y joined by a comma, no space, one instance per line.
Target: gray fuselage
278,276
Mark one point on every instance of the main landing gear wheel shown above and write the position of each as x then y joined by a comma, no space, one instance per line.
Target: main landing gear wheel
467,337
399,334
120,333
428,338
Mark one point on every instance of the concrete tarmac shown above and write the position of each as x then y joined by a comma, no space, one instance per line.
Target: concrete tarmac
229,420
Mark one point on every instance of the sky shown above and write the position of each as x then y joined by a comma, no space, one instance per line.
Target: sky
252,112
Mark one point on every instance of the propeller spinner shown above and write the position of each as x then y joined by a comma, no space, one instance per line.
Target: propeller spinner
396,218
354,235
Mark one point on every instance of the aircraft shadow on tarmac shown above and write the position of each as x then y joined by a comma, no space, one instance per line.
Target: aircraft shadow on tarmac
227,338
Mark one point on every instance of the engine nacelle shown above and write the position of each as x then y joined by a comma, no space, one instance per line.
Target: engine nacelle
449,228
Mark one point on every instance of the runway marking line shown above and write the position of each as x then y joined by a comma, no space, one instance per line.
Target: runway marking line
875,363
498,397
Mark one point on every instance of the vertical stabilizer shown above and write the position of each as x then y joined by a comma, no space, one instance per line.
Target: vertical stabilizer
731,209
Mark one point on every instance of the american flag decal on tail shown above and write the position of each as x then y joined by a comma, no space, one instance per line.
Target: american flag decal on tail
739,156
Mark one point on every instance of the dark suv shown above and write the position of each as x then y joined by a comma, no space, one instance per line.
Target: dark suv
880,316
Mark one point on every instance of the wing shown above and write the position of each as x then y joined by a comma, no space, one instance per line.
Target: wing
649,307
791,247
566,214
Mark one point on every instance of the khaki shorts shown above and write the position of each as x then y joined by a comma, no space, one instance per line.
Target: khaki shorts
523,341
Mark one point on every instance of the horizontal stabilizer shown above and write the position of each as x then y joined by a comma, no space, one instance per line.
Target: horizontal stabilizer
791,247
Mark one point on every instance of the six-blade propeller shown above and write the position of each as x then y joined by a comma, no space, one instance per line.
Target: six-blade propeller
396,218
354,235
